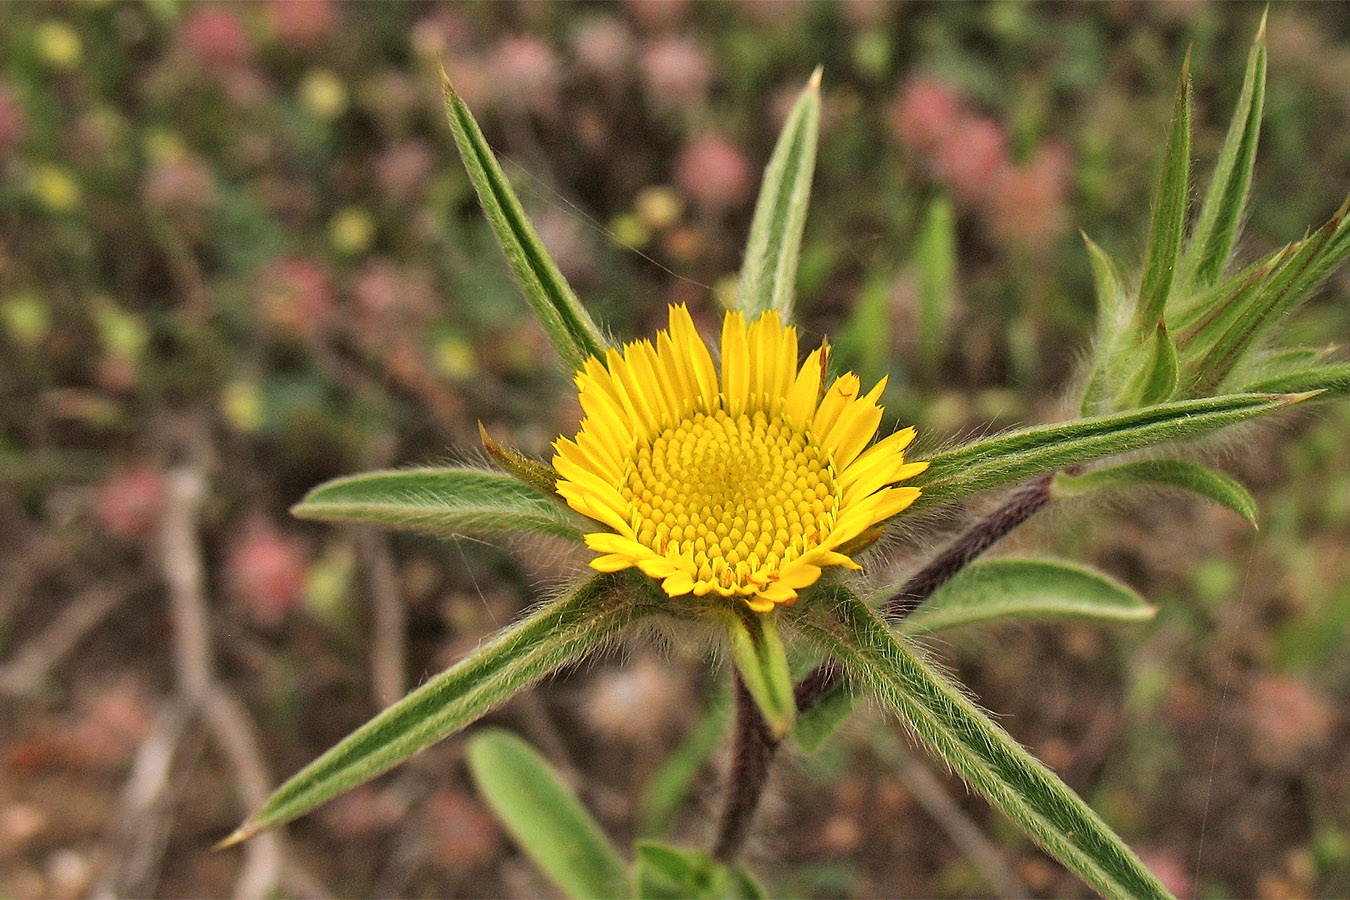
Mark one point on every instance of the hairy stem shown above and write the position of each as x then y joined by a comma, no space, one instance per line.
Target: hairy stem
755,746
752,751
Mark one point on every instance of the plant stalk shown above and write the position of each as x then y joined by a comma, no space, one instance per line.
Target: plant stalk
754,745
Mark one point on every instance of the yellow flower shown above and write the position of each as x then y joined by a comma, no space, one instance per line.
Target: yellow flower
743,485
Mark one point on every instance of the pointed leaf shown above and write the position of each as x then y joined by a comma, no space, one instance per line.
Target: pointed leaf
1201,321
758,653
1158,378
1020,454
768,278
567,323
1312,261
1004,589
1220,219
1113,312
981,752
1169,211
1330,381
517,657
528,471
544,817
450,502
935,260
1173,472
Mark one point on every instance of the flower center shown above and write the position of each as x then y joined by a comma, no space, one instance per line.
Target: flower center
739,495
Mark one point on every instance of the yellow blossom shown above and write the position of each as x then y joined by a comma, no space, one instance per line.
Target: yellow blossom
740,483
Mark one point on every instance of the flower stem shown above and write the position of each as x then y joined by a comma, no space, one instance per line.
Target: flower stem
752,751
754,746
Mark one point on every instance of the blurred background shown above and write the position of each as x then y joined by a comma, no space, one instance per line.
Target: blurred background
238,256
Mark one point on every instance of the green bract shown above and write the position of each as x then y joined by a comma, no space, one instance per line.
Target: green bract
1193,349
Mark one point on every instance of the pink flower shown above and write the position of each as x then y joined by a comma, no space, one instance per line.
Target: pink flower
266,572
676,73
924,114
214,36
129,502
295,296
528,74
301,22
715,172
13,122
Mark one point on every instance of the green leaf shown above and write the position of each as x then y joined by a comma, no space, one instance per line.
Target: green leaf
517,657
1173,472
673,782
1312,260
544,817
1220,219
1202,320
769,273
567,323
449,502
672,873
817,722
1021,454
527,471
1158,378
935,259
758,653
1112,315
1002,589
1169,212
1330,381
981,752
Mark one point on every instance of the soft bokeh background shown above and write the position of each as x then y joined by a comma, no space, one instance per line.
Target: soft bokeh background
237,250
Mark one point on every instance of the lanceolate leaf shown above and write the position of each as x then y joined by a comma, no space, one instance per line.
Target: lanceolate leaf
1158,377
1314,259
449,502
545,817
1220,218
567,323
1169,212
1005,589
1018,455
1331,380
981,752
517,657
1172,472
768,278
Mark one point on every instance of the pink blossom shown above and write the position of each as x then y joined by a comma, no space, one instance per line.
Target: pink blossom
715,172
214,36
676,73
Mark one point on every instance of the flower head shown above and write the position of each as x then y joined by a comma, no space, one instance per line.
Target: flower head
741,484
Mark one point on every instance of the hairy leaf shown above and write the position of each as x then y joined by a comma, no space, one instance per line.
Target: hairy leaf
449,502
768,278
982,753
1220,219
1173,472
762,662
1004,589
517,657
567,323
1020,454
1169,212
